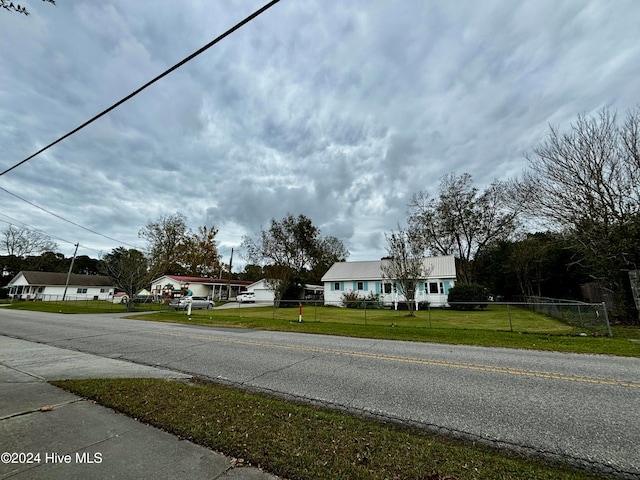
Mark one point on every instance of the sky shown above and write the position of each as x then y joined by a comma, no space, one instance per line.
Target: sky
339,111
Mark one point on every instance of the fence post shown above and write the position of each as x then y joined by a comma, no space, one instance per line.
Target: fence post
365,313
510,322
606,319
580,318
429,310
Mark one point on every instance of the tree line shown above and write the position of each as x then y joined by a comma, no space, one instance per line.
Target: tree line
290,253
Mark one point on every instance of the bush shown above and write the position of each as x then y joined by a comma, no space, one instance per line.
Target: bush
351,299
467,296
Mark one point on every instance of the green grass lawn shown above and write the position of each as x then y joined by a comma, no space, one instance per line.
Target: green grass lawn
305,442
495,317
493,327
488,327
83,306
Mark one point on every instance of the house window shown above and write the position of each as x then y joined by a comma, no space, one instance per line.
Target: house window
81,290
104,290
336,286
436,287
360,285
387,288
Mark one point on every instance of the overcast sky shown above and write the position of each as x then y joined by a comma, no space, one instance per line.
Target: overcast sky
336,110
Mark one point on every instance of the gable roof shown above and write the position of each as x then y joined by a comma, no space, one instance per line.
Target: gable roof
262,283
441,267
55,278
185,279
201,280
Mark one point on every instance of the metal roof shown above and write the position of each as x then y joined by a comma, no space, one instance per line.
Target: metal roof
54,278
201,280
441,267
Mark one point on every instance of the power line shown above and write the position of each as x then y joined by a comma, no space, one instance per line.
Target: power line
26,225
64,219
30,227
179,64
165,73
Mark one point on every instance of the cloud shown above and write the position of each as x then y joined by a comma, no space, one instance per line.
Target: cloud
338,111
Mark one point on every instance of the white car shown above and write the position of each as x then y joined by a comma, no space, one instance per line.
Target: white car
246,297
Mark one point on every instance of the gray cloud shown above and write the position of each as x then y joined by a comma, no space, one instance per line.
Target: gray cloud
339,111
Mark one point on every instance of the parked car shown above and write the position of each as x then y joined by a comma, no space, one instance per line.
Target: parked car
196,303
246,297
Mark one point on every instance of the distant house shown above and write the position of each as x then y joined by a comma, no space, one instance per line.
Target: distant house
264,294
366,278
214,288
28,285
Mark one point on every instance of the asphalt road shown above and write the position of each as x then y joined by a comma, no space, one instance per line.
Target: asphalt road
581,408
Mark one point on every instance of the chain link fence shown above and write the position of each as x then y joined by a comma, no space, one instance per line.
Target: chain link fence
588,316
558,317
92,305
537,315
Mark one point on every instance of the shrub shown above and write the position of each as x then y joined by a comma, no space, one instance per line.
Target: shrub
351,299
374,301
467,296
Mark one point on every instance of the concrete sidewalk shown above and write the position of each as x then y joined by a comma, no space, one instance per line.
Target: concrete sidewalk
77,439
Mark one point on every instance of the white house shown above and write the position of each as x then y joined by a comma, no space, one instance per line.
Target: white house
214,288
264,294
28,285
366,278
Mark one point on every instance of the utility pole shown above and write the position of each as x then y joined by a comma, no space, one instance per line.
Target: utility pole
229,279
69,273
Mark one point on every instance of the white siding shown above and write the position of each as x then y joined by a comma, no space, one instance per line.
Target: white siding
365,278
261,291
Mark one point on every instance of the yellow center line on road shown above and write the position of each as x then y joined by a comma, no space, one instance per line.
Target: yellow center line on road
418,361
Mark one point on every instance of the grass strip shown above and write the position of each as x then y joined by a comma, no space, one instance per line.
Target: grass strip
299,441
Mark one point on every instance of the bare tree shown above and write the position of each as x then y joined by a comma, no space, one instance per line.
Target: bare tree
405,264
15,7
22,242
589,175
463,221
586,182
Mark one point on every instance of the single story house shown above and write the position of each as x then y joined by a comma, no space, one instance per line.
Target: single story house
264,294
212,288
29,285
366,278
